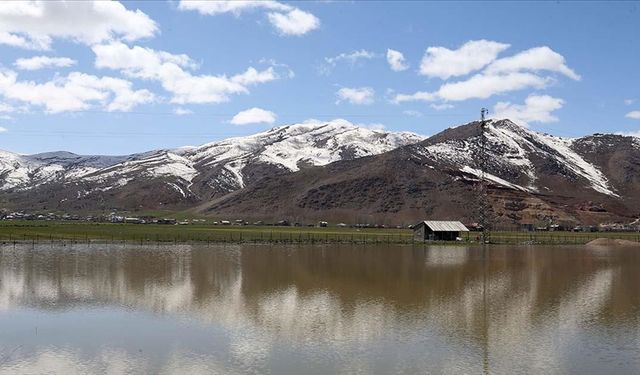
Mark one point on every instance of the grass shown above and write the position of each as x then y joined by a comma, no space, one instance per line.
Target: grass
84,231
506,237
42,231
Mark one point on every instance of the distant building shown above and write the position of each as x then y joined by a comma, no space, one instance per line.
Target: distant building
438,230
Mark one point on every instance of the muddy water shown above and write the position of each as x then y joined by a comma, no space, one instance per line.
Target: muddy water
319,310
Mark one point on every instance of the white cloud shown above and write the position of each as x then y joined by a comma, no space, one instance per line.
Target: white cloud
6,108
22,42
359,95
254,116
629,101
75,92
212,8
125,99
283,67
3,129
444,63
40,62
295,22
252,76
480,86
182,111
412,113
139,62
534,59
288,20
33,24
536,108
441,106
420,96
498,76
396,60
351,58
633,115
172,72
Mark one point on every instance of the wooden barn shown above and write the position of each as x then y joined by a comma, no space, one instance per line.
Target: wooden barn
431,230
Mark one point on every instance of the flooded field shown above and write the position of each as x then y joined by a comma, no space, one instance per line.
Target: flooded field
347,309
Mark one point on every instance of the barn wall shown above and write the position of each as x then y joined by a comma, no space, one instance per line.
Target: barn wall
419,233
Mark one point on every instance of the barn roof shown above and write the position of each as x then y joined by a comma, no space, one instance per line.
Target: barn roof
445,226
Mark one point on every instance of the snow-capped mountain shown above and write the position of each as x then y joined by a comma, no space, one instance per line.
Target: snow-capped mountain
521,159
207,170
26,171
532,177
367,172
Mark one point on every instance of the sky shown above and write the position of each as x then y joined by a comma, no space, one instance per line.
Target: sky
124,77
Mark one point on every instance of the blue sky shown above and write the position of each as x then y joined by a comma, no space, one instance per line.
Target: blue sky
115,78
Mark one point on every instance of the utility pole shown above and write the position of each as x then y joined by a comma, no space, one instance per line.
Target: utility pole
484,207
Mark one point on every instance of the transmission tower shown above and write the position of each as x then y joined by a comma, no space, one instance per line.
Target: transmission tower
484,207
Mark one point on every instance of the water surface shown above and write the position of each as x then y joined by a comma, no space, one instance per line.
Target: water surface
319,310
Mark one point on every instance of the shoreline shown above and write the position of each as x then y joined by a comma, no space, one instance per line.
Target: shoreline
599,242
107,233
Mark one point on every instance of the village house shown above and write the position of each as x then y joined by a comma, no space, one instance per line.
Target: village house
432,230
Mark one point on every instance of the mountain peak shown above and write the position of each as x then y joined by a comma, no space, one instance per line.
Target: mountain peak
520,161
224,165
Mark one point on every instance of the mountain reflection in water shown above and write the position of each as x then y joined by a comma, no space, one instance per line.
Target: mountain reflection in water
334,309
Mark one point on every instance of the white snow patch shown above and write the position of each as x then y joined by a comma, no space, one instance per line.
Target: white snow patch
510,147
157,165
490,177
516,155
177,188
314,143
577,164
236,169
457,152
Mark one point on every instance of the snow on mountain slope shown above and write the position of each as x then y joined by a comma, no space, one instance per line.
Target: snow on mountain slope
294,146
495,179
287,147
520,157
26,171
159,164
14,169
577,164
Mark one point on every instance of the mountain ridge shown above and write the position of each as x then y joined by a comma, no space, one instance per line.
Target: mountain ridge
184,175
533,177
338,170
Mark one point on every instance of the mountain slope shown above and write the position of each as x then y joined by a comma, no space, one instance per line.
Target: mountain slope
338,171
182,176
533,177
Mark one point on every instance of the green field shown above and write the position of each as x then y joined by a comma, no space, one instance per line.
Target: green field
85,231
505,237
43,231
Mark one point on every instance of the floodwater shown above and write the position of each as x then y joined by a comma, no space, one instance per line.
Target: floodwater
319,310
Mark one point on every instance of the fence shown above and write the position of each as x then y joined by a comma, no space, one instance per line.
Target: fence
514,238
